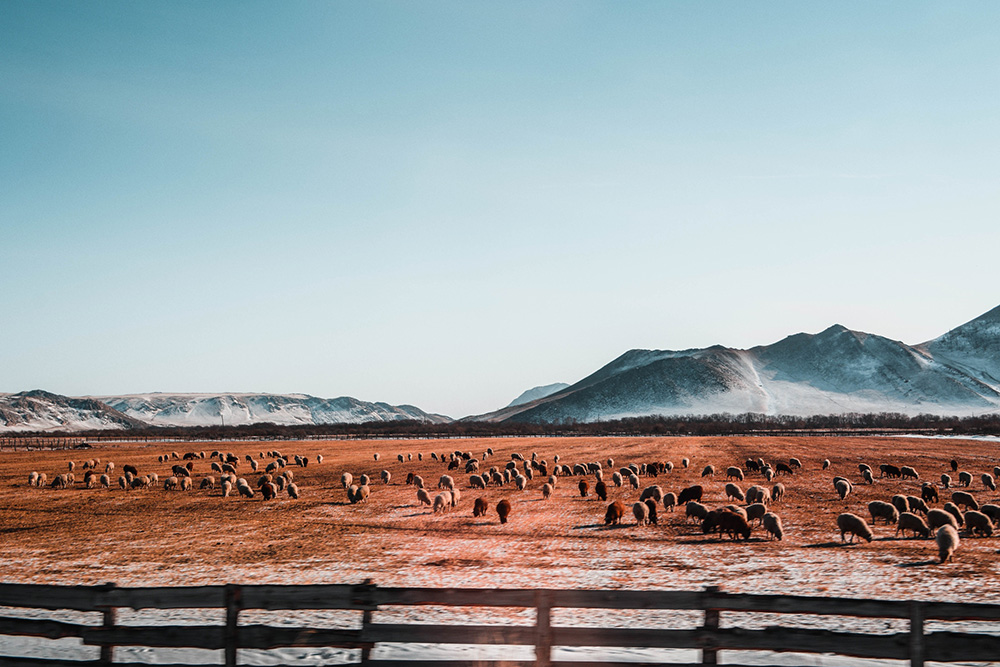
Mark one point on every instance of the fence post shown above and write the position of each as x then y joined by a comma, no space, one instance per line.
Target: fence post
710,656
916,634
365,599
234,603
543,628
110,616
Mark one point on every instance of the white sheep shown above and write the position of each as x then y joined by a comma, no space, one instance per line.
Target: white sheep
423,497
446,482
641,513
947,541
546,490
855,525
442,501
772,524
293,491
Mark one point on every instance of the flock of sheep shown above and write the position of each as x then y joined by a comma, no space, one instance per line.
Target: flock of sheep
276,477
749,507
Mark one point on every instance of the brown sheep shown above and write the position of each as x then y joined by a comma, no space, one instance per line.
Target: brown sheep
601,491
479,507
503,510
690,493
651,505
641,512
613,516
584,488
912,522
964,499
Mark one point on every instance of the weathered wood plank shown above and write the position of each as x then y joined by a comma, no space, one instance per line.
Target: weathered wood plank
29,627
45,662
597,599
333,596
448,634
956,646
269,637
167,597
775,638
42,596
457,597
165,636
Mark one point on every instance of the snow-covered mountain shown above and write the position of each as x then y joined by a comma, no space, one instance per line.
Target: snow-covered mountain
536,393
832,372
40,411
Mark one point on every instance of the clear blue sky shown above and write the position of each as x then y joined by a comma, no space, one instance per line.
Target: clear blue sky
444,204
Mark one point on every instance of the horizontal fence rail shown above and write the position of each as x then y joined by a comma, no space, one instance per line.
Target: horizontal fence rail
914,645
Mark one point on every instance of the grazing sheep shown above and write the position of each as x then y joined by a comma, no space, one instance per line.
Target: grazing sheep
503,510
777,492
709,471
633,481
359,494
992,511
547,491
732,472
281,482
756,511
910,521
690,493
855,525
601,491
937,518
584,488
319,458
386,476
655,492
446,482
614,514
207,483
947,541
109,467
928,493
883,510
127,469
946,481
996,471
889,470
772,524
479,507
953,510
685,462
476,482
186,484
33,479
964,499
733,491
215,467
418,481
867,476
901,503
916,504
843,488
768,473
227,488
794,462
521,482
170,484
442,502
253,465
695,510
552,481
651,509
965,478
988,481
269,491
954,465
43,479
758,494
376,456
123,482
669,501
245,490
293,491
105,481
733,525
641,513
978,523
826,463
906,472
782,468
617,479
456,495
423,497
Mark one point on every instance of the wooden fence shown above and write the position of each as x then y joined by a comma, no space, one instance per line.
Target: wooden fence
914,645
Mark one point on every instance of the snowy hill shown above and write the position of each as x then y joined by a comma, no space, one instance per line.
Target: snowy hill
536,393
41,411
832,372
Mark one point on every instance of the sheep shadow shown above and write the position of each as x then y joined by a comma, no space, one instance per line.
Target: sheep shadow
919,563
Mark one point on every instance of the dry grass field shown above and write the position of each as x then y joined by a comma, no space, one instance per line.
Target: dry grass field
159,537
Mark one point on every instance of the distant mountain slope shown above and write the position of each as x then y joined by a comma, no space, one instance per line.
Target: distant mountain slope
833,372
40,410
535,393
232,409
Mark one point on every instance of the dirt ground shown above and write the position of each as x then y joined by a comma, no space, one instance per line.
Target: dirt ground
158,537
